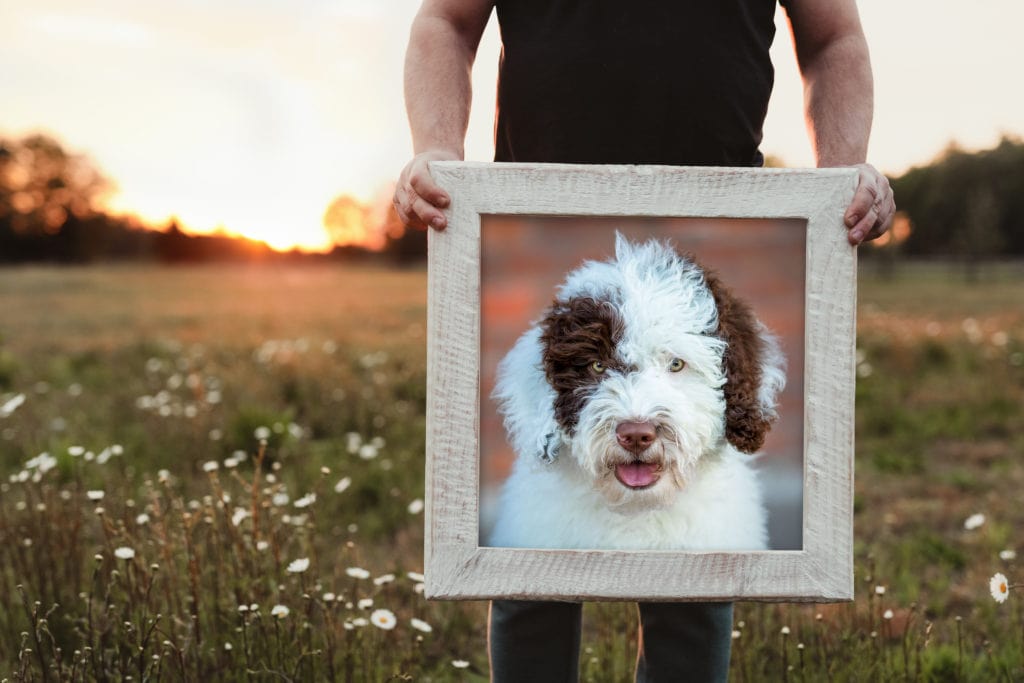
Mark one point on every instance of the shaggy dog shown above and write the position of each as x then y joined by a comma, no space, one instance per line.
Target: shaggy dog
633,406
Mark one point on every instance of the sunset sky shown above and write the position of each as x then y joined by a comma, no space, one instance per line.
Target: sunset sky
254,115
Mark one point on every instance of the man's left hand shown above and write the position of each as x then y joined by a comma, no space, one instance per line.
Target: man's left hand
871,212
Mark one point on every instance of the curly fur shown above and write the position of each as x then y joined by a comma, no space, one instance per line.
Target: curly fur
648,338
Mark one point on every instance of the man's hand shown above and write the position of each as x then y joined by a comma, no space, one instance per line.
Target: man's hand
871,212
418,200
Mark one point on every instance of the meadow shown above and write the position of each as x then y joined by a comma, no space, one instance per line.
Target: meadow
216,473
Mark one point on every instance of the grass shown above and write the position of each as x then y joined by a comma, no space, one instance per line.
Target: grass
137,382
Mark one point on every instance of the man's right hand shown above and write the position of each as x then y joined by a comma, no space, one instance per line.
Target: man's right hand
418,200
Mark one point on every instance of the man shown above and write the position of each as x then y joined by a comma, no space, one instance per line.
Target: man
650,81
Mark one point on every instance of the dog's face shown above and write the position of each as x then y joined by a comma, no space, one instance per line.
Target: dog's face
649,366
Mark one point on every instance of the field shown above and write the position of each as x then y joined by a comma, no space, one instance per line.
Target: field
216,473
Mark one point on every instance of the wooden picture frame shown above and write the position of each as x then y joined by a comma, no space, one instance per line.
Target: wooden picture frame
457,566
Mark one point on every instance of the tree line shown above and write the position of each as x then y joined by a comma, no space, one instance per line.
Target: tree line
963,205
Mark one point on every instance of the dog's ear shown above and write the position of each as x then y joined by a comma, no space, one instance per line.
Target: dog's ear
754,370
526,400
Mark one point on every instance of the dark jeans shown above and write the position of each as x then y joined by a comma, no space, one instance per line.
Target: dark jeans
539,642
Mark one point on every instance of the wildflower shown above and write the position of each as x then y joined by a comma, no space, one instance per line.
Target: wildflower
887,614
383,619
262,545
243,608
1007,555
879,590
305,501
420,625
262,433
211,466
418,588
75,451
383,579
415,507
298,566
279,611
357,573
736,635
342,484
142,519
365,603
999,587
163,476
227,646
974,521
329,597
124,553
230,463
368,452
280,499
94,495
415,576
8,408
460,663
360,622
239,515
785,630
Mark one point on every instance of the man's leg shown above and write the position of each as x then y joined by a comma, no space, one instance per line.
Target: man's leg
534,641
684,641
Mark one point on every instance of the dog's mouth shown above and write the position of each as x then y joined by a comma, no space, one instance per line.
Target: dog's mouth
637,475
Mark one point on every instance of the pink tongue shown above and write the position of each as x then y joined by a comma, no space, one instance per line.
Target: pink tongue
637,474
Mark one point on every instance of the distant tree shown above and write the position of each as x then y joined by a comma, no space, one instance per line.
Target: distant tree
348,222
968,205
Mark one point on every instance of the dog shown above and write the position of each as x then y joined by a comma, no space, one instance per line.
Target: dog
633,406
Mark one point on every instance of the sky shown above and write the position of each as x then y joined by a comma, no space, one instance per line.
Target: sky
252,115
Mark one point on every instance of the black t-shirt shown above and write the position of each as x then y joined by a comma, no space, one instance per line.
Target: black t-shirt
647,81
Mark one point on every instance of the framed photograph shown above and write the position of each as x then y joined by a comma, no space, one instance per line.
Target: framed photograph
640,384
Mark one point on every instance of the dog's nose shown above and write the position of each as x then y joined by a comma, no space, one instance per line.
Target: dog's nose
635,436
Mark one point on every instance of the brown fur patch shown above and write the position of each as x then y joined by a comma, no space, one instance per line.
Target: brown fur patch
575,333
745,424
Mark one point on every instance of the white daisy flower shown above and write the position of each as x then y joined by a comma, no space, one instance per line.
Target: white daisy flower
342,484
1007,555
420,625
124,553
305,501
974,521
785,630
298,566
238,515
280,499
142,519
211,466
383,579
357,573
887,614
999,586
365,603
879,590
460,663
280,611
360,622
415,507
415,576
329,597
383,619
95,495
262,545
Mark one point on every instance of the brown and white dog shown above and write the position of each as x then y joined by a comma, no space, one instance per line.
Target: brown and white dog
633,406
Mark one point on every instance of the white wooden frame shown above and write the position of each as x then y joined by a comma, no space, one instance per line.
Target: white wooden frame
457,567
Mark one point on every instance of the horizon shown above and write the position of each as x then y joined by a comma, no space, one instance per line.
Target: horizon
253,128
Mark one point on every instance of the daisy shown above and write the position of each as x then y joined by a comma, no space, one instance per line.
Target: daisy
785,630
142,519
1007,555
279,611
94,495
460,663
383,579
383,619
365,603
415,576
342,484
357,573
298,566
887,614
359,622
211,466
879,590
999,587
124,553
974,521
305,501
420,625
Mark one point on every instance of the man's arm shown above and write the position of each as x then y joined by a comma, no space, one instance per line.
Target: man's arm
438,66
839,104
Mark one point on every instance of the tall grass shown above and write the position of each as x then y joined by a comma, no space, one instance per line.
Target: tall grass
216,474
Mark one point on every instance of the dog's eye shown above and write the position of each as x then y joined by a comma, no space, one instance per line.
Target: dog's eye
676,365
598,367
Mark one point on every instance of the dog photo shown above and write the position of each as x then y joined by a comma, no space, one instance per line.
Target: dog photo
637,402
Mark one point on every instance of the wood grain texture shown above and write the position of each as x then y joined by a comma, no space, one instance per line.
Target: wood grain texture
457,567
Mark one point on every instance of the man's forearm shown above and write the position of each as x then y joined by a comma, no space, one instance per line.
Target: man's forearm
839,101
438,91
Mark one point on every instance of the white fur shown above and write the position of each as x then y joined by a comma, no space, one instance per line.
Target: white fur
563,492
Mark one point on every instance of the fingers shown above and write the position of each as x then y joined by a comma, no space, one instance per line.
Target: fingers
871,212
419,200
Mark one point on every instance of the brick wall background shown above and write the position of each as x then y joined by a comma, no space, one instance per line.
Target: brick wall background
524,259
